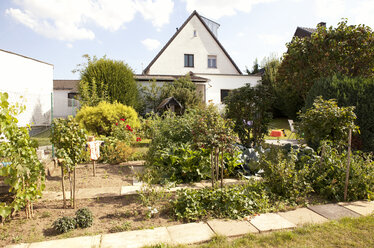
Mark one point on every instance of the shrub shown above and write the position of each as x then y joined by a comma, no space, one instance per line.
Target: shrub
230,202
326,121
100,119
83,218
350,91
282,177
116,151
64,224
327,175
249,107
123,131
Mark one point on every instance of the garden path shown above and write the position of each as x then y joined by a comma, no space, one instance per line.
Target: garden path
192,233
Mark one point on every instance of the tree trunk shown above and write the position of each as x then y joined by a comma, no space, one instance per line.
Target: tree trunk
222,151
71,189
74,201
217,163
212,167
348,164
63,185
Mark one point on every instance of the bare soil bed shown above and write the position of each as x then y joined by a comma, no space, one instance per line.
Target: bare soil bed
107,175
115,214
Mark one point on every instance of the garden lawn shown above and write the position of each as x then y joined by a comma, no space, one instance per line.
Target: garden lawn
278,124
347,232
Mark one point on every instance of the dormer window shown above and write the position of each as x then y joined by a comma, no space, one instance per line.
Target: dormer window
188,60
212,61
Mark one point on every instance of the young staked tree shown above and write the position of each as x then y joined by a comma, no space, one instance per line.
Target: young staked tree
346,50
107,79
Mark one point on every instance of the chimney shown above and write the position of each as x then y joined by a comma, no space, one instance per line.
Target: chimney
322,24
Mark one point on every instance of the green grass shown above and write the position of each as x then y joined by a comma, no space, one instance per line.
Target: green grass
347,232
43,138
277,124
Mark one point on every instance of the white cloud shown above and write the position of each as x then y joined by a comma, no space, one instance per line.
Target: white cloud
151,44
69,45
274,39
330,9
240,34
218,8
68,19
363,12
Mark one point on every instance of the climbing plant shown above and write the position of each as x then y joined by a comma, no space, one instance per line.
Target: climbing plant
69,139
19,166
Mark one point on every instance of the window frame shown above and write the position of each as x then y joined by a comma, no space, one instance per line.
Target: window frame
212,58
189,58
223,97
72,96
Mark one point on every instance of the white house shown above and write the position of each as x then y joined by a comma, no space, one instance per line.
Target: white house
65,94
195,49
29,82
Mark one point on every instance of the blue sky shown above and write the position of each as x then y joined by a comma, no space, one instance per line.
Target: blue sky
61,31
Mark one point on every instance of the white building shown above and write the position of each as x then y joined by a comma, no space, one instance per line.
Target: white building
65,93
29,82
194,49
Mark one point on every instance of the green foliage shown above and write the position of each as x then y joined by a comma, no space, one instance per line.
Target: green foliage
230,202
249,108
255,68
182,89
282,177
25,174
116,151
350,91
327,175
106,79
346,49
151,95
101,119
326,121
83,218
69,139
64,224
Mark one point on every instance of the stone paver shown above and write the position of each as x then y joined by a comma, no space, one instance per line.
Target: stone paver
302,216
190,233
88,193
85,241
270,221
136,239
130,190
360,207
23,245
231,228
333,211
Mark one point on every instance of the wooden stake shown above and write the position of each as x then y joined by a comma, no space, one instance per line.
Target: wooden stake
94,167
74,202
348,164
212,167
222,152
71,189
63,185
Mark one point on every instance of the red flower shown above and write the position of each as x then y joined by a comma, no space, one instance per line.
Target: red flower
117,124
138,139
122,119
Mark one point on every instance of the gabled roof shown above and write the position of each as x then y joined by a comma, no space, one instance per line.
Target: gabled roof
302,32
146,70
25,57
169,78
169,100
65,84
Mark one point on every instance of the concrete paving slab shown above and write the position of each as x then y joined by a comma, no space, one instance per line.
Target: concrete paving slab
190,233
270,221
302,216
130,190
78,242
88,193
231,228
333,211
136,239
22,245
360,207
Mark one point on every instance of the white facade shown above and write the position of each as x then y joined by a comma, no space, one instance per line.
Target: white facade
195,38
28,82
63,106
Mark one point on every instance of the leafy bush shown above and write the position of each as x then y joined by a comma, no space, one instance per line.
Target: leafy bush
250,159
350,91
326,121
230,202
249,108
64,224
116,151
282,177
101,119
83,218
123,132
327,175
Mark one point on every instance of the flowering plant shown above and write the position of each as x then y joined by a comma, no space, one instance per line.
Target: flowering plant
124,132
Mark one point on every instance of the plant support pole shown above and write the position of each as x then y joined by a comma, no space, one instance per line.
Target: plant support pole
94,167
348,164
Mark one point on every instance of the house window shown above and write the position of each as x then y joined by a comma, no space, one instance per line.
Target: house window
72,99
188,60
194,33
224,93
212,61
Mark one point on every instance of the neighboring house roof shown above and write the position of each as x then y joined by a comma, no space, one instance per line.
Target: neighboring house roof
169,78
146,70
168,101
66,84
25,57
302,32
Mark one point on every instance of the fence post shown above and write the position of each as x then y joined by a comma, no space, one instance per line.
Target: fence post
53,147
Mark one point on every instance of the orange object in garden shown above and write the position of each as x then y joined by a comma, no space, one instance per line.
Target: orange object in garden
276,133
